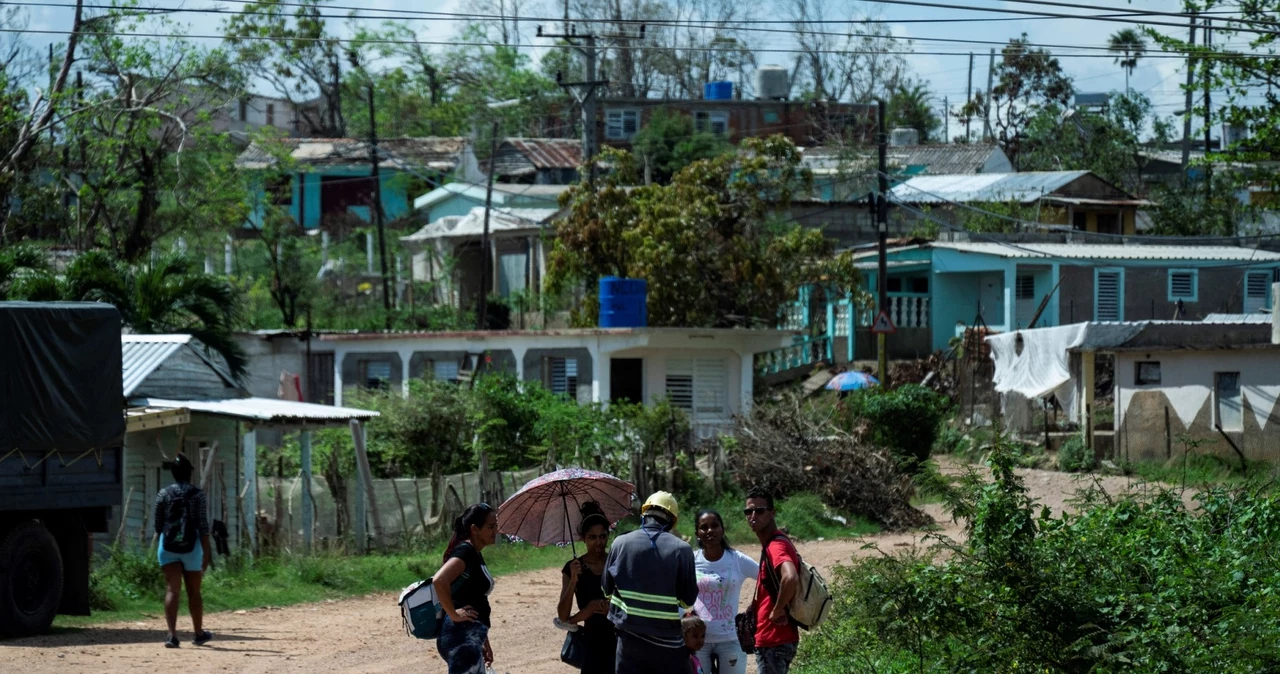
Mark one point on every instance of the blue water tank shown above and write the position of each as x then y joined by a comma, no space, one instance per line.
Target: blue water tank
717,91
623,302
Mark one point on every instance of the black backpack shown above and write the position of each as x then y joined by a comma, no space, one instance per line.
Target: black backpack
180,531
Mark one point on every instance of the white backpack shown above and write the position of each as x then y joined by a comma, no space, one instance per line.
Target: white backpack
423,616
813,600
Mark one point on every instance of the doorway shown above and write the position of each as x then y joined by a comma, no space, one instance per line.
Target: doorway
626,380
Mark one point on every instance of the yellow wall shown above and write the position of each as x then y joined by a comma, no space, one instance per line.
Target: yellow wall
1128,218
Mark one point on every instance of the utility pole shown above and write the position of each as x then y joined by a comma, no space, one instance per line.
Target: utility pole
968,98
946,120
377,206
991,74
1186,111
585,91
882,229
487,259
1208,104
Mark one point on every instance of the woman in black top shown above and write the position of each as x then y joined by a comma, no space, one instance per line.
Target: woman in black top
582,580
462,587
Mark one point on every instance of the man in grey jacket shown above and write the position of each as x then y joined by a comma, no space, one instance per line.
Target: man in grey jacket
649,579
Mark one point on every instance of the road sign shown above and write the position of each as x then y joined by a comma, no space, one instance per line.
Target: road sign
883,326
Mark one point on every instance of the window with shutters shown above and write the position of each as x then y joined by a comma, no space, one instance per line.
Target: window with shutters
562,376
1184,284
700,387
1025,288
711,121
1146,373
1108,295
375,374
444,370
1257,291
621,124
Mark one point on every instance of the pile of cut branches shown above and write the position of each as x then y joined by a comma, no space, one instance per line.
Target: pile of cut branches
786,448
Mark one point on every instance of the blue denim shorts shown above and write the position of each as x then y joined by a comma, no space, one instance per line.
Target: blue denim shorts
462,646
191,561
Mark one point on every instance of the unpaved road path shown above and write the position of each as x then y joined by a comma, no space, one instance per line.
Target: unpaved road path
364,634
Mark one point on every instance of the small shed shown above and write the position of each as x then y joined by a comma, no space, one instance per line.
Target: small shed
181,397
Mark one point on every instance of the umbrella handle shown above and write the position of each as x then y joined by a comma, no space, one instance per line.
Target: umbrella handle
568,523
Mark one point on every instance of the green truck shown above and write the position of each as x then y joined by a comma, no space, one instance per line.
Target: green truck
62,426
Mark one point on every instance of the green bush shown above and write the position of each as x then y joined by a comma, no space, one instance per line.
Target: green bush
1122,585
1075,457
951,440
904,420
127,573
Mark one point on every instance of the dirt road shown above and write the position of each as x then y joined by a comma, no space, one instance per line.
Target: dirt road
364,634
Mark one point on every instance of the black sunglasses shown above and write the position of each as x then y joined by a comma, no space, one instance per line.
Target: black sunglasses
748,512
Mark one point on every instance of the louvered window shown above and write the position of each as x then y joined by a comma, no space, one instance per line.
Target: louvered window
700,387
1025,288
1109,295
621,124
563,376
1257,287
445,370
1183,285
375,374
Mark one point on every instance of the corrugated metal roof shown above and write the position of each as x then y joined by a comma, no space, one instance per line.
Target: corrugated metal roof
265,410
983,187
930,159
1085,251
437,153
1237,319
472,224
549,153
144,353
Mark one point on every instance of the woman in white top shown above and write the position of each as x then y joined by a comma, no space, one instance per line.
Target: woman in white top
721,571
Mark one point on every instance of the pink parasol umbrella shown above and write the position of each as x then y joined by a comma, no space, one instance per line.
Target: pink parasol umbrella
546,510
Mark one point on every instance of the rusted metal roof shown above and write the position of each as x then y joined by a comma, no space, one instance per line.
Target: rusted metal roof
548,153
435,153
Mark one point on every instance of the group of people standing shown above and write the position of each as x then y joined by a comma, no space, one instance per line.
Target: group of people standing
648,604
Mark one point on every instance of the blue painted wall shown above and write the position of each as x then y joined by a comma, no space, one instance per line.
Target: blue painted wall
306,187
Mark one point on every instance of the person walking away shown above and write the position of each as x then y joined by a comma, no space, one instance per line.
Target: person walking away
582,579
777,638
695,638
464,636
182,524
649,579
721,571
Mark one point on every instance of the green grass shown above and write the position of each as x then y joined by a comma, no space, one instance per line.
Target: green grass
1204,469
132,586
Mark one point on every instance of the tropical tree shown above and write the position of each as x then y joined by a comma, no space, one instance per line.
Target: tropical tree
25,274
167,295
1130,47
1028,81
668,143
712,244
909,107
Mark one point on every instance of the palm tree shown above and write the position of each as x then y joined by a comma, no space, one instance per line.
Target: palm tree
1129,47
25,274
167,295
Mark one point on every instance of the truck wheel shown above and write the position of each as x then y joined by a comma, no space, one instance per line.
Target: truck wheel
30,580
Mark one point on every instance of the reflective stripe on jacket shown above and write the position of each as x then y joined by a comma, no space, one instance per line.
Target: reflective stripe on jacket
649,577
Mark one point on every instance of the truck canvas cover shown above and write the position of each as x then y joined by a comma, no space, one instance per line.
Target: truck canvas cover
60,376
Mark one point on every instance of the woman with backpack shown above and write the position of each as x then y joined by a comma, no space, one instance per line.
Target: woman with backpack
581,579
462,588
721,571
182,523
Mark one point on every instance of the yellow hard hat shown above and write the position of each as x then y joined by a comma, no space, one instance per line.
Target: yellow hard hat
664,500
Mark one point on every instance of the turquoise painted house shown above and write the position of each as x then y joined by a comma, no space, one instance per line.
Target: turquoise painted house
329,180
938,289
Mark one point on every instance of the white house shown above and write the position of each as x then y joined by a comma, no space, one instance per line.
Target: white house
707,372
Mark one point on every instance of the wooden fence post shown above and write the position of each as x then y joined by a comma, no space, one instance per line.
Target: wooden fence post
366,476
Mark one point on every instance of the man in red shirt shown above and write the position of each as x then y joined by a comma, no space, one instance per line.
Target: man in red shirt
776,636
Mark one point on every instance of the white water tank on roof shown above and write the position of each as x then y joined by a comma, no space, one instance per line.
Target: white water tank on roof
773,83
904,136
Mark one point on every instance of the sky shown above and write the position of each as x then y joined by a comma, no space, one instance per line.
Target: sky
947,75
